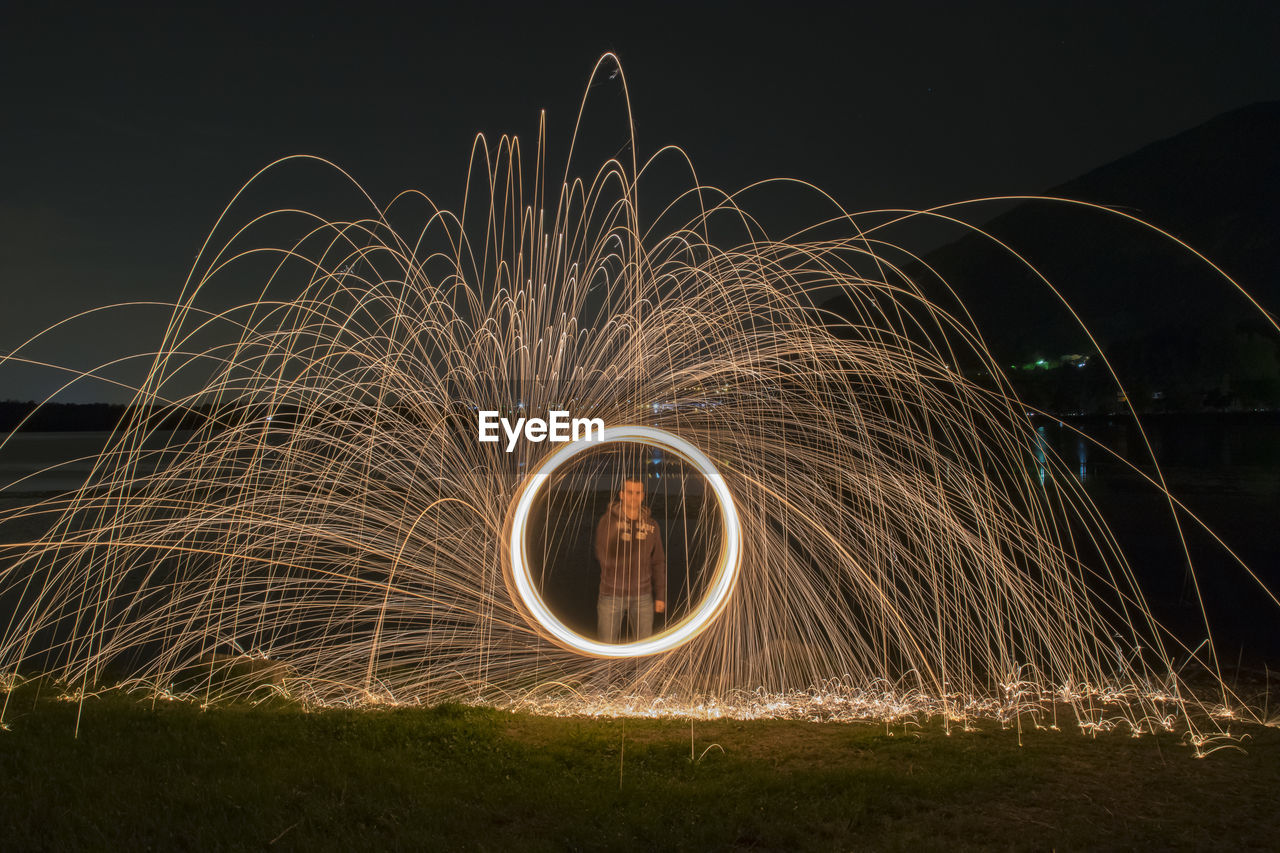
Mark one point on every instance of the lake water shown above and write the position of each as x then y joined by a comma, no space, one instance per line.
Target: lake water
1225,468
57,461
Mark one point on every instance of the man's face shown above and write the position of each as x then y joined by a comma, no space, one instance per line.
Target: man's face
632,496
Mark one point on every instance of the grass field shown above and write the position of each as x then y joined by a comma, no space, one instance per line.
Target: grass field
174,777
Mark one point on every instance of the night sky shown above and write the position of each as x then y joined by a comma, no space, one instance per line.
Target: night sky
126,132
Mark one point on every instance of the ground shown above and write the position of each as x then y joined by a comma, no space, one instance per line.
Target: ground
169,776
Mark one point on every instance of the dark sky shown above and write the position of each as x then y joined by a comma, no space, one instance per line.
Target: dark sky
126,132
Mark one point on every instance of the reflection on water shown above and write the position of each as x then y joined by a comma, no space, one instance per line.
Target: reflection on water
1043,448
1081,456
62,461
1210,445
1040,452
1225,469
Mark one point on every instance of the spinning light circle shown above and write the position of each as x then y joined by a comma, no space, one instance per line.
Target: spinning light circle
722,580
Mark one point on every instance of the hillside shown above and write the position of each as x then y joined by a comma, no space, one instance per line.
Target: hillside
1216,186
1182,337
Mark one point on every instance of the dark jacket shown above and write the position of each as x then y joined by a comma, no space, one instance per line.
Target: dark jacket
632,561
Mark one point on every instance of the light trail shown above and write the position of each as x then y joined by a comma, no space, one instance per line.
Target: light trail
723,577
331,528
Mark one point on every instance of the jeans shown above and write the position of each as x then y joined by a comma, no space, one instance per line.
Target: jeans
609,609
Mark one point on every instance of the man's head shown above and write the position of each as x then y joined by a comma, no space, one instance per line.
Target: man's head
631,495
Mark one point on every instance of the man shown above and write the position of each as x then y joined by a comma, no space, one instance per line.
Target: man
633,565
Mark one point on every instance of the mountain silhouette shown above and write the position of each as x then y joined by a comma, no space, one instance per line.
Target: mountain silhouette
1215,186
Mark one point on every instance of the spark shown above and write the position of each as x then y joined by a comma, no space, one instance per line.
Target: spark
895,544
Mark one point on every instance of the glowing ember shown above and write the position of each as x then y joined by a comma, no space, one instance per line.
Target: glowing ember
896,541
723,578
